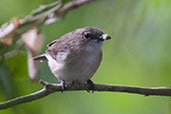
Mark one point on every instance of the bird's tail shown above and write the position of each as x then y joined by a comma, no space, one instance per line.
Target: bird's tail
40,58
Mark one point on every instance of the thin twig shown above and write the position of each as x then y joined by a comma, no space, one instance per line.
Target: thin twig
44,14
39,16
51,88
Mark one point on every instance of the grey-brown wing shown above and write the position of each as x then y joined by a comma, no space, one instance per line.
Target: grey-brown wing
62,48
58,50
50,44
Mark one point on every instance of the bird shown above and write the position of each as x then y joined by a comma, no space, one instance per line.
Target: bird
75,56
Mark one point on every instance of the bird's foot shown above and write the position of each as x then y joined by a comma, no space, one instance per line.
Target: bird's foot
64,85
91,86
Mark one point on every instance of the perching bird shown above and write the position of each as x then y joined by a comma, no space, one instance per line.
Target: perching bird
75,57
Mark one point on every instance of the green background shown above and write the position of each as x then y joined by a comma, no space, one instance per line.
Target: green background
139,54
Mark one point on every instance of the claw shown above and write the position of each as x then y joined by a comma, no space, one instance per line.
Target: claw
64,85
91,86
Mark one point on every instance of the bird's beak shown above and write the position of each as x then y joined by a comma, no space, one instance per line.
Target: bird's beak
106,37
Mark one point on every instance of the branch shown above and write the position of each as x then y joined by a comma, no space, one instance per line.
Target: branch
51,88
44,14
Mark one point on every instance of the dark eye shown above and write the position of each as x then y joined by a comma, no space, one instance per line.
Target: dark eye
87,35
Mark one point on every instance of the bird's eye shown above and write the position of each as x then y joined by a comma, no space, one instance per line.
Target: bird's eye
87,35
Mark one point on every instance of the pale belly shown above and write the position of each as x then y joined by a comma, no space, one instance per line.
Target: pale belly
78,70
81,67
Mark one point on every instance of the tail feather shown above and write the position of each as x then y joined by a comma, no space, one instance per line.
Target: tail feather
40,57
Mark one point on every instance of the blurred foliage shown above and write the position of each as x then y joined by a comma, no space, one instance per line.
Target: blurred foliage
139,54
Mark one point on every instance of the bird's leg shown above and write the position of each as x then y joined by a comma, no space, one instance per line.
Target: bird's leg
64,85
91,86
